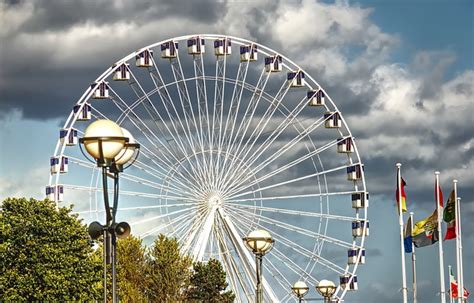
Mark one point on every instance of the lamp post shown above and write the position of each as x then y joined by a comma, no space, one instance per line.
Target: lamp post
259,242
326,289
300,289
112,147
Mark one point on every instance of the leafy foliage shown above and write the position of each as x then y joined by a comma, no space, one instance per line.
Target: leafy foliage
168,271
44,254
208,283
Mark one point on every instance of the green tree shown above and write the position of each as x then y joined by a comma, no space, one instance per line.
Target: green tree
45,254
168,271
131,270
208,283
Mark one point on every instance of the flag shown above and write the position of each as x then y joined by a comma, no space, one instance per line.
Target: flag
404,196
449,216
407,240
454,286
425,232
439,193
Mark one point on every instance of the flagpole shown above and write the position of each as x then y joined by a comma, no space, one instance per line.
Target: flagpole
460,268
456,214
413,262
440,241
400,221
450,288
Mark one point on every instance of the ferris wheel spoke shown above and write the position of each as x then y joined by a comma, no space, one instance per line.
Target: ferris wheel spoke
297,229
302,196
275,133
257,131
180,211
176,185
184,180
304,252
173,221
277,154
190,235
233,146
203,109
167,103
135,208
324,172
280,169
292,212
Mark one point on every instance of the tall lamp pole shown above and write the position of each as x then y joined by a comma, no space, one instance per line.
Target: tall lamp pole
112,147
259,242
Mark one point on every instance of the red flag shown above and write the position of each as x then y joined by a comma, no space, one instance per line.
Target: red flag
454,287
449,216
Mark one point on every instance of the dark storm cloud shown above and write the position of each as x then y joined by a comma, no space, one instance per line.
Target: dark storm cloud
60,15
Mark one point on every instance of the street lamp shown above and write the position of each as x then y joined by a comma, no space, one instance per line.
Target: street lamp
259,242
300,289
112,147
326,289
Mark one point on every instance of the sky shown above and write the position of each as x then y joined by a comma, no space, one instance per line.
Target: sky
402,72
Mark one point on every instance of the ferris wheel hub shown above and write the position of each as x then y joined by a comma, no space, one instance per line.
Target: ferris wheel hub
214,200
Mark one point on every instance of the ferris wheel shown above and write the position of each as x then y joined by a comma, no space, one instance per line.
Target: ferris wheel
234,137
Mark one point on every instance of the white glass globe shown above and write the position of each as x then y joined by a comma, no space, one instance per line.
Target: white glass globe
126,153
259,241
300,288
103,128
326,288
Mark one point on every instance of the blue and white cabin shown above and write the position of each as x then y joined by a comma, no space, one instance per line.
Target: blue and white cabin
332,120
360,200
360,228
68,136
347,283
273,64
345,145
101,90
352,255
169,50
83,112
55,193
315,98
296,79
248,53
144,58
121,72
222,47
196,46
354,173
59,165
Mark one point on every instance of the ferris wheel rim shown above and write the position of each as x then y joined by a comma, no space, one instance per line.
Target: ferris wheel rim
72,119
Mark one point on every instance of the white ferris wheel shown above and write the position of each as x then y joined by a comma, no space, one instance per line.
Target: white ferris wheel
234,137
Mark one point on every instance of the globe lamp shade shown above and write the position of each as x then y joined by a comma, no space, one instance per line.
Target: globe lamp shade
259,241
300,289
105,133
128,150
326,288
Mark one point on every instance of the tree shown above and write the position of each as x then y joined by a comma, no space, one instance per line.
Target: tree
45,254
168,271
208,283
131,270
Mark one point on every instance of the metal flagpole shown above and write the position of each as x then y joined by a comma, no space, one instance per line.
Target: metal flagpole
450,288
460,268
413,261
400,220
440,242
456,206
